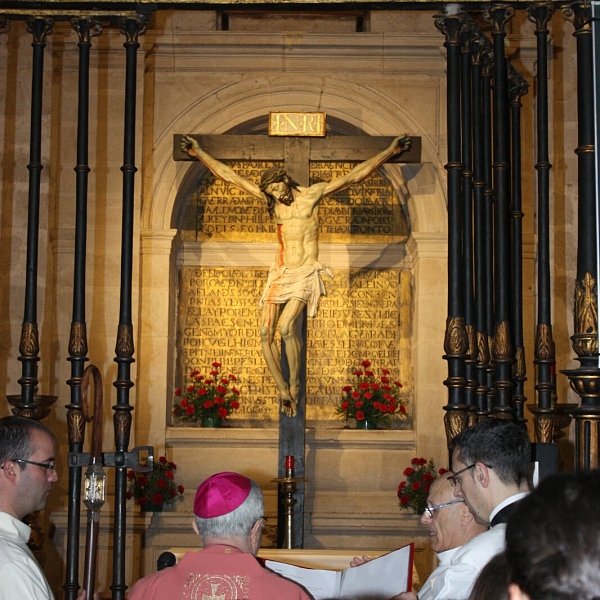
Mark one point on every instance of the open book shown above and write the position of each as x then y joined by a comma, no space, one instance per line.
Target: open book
378,579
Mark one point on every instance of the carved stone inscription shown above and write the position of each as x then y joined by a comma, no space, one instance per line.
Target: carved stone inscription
217,211
364,315
219,320
359,319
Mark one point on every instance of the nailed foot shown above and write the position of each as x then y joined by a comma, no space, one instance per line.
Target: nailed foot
288,404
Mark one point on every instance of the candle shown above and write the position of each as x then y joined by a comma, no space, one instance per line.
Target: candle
289,467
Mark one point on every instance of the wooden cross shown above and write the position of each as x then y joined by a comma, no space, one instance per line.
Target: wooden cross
296,153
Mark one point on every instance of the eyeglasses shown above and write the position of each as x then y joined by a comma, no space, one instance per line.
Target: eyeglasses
47,466
454,479
429,510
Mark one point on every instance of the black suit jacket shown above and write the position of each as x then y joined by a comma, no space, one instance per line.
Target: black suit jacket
503,515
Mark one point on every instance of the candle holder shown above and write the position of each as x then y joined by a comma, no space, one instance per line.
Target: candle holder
288,486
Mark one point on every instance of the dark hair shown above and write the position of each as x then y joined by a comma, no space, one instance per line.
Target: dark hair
502,444
15,437
553,539
492,582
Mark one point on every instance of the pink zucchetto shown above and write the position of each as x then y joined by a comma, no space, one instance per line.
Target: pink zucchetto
220,494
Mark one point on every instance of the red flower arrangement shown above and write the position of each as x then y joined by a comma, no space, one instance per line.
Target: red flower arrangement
207,397
413,492
371,399
156,488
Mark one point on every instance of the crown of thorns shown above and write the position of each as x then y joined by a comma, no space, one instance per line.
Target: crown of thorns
272,175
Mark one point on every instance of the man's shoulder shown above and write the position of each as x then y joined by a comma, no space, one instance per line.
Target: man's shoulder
482,547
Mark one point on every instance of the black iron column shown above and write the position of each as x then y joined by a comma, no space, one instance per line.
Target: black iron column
131,29
467,35
502,349
456,343
478,47
517,87
585,380
78,345
540,14
29,346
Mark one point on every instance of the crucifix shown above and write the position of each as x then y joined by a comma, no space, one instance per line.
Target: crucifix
294,284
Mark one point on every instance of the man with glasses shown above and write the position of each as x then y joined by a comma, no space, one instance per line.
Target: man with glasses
27,454
454,536
229,519
490,463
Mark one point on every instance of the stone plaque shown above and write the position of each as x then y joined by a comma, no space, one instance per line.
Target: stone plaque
219,319
369,211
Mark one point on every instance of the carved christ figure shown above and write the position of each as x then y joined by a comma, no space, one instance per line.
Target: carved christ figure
294,279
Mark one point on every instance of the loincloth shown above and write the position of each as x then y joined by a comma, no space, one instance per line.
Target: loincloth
303,284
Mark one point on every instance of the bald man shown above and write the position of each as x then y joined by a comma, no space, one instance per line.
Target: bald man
455,537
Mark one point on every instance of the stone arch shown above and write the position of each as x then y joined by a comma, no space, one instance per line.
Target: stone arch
243,102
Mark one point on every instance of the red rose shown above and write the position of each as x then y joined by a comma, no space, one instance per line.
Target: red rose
368,395
161,483
369,374
404,500
360,416
214,373
345,405
374,386
347,388
358,373
235,391
414,461
427,486
408,471
222,412
355,395
232,377
208,404
219,400
403,409
202,392
366,363
128,495
402,484
216,365
363,385
178,392
422,461
221,390
235,404
442,471
358,404
130,474
142,501
224,381
190,410
416,485
428,477
173,493
157,498
397,384
385,372
194,373
184,403
162,460
142,479
180,489
191,388
171,465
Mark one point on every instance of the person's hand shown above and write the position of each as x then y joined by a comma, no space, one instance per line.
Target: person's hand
402,143
359,560
189,143
405,596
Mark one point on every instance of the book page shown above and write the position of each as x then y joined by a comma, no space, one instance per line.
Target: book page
380,578
320,583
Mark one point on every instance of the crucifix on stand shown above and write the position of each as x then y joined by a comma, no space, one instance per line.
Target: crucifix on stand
294,284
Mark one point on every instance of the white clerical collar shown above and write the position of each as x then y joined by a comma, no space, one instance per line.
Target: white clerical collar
446,556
